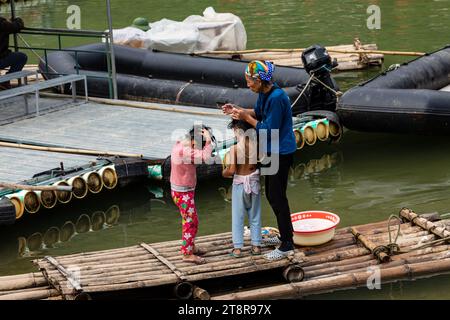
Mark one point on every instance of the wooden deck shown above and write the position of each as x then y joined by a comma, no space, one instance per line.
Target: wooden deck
345,262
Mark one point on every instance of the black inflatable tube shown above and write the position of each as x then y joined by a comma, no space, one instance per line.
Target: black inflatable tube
169,77
7,212
404,100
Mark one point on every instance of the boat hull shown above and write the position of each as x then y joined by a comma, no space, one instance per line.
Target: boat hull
166,77
405,100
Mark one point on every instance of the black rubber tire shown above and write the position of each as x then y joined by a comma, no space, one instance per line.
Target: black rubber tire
130,170
7,212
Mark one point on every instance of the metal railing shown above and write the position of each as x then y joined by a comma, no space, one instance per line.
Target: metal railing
59,33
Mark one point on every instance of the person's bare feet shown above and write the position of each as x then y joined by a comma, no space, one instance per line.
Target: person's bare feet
192,258
199,251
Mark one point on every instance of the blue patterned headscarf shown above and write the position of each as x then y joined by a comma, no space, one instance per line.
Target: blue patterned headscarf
259,69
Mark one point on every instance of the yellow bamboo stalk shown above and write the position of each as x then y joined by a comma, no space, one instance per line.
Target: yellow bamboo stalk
139,105
16,186
69,150
330,49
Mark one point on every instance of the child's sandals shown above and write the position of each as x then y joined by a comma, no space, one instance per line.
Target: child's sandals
256,250
236,253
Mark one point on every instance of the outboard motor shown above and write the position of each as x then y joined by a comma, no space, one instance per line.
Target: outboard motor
315,95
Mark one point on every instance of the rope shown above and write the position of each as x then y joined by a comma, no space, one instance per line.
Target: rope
392,246
429,244
177,100
337,93
304,89
314,78
34,52
379,249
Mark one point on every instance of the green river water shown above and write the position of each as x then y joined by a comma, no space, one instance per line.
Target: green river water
364,178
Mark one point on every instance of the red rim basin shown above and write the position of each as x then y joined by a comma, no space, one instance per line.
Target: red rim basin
313,227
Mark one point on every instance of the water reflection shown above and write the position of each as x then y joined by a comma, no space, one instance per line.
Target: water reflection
56,235
53,229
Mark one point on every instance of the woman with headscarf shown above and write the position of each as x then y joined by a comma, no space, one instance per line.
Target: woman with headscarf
272,112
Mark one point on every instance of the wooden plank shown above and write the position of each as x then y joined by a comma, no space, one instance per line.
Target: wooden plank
166,262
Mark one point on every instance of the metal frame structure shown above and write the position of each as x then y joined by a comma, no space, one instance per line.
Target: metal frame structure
108,36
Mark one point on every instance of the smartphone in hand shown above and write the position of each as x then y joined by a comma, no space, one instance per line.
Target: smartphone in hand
220,104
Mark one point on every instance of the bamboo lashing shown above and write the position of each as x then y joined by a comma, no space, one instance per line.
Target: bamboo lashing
69,150
382,256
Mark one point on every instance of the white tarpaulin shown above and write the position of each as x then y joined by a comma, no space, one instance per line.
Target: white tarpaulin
210,32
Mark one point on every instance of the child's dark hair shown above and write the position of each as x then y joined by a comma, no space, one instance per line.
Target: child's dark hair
239,124
196,132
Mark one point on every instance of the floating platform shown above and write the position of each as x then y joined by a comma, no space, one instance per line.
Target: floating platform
106,143
405,249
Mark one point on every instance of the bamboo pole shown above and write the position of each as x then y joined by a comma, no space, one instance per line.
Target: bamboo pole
197,277
141,105
21,276
200,294
370,245
144,276
41,293
114,268
221,237
54,298
87,278
351,280
424,223
16,186
130,252
351,263
130,285
22,281
366,256
128,278
30,289
329,49
69,150
403,260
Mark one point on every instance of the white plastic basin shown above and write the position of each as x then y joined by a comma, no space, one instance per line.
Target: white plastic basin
312,228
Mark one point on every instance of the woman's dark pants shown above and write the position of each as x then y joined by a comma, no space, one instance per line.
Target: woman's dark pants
276,186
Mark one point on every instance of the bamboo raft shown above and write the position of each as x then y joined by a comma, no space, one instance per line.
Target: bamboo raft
345,262
349,57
